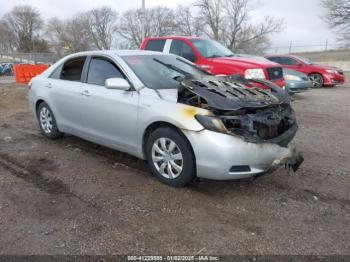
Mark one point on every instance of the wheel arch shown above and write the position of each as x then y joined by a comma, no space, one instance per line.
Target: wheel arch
37,104
315,73
154,126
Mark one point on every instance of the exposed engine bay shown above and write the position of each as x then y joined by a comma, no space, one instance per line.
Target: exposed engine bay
256,110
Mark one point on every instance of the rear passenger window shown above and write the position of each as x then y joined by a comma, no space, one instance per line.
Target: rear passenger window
287,61
57,73
155,45
72,69
275,59
101,69
180,48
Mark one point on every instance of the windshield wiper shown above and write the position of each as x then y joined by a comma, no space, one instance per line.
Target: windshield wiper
172,67
230,55
214,56
193,65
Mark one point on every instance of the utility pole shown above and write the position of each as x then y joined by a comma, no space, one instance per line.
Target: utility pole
143,19
290,47
326,44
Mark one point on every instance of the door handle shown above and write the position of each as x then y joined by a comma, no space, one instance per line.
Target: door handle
48,85
86,93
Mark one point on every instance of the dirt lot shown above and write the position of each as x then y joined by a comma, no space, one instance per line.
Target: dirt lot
73,197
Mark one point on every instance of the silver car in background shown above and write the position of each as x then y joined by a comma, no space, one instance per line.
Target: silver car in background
162,108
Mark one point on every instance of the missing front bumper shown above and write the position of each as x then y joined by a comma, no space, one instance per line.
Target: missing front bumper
292,161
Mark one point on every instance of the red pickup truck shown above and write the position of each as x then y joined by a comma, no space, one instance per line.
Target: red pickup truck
215,58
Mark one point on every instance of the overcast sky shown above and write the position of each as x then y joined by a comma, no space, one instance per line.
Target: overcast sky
303,25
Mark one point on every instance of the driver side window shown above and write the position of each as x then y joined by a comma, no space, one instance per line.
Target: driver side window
101,69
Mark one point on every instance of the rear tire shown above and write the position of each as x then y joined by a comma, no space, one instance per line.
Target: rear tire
317,80
47,122
170,157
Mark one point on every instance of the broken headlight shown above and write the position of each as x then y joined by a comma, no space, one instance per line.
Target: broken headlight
211,123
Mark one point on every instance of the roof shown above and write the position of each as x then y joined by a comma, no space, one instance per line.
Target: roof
278,55
118,53
175,37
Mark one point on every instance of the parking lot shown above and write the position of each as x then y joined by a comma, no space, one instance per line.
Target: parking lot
70,196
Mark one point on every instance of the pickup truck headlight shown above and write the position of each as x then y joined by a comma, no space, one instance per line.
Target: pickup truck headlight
254,74
292,78
211,123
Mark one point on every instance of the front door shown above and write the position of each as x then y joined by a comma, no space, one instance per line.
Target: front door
110,115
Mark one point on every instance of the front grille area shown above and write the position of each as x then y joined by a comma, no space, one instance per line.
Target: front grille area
261,125
275,73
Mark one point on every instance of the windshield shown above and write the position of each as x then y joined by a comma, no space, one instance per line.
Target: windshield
210,48
305,60
161,71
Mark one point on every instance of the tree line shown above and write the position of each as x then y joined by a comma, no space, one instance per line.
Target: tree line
338,18
229,21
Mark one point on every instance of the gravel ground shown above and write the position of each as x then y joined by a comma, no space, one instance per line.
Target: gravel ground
70,196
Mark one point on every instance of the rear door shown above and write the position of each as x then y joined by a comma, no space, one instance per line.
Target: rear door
65,94
110,115
180,48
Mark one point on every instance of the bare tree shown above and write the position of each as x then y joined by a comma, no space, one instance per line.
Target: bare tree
188,22
24,22
228,21
101,25
159,21
212,14
77,37
7,39
338,17
55,32
69,36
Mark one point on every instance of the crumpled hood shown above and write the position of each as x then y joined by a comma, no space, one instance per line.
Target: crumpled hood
230,93
247,62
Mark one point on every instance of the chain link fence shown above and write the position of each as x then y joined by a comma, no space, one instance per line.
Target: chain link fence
29,58
297,47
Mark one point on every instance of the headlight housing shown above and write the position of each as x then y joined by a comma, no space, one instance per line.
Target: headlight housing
211,123
331,71
292,78
254,74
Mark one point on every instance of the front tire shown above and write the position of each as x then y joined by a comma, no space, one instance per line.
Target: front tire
170,157
47,122
317,80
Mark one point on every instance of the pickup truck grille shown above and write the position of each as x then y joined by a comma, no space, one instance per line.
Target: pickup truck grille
275,73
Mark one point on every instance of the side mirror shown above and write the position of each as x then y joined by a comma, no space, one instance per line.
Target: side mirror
117,83
300,65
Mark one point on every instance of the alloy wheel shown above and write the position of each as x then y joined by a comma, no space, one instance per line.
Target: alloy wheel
167,158
317,80
46,120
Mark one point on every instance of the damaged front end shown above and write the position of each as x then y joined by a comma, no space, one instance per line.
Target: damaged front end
255,110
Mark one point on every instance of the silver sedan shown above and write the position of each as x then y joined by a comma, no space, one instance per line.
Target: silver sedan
162,108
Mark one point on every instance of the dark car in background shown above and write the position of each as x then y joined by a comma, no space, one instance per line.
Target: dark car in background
320,75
